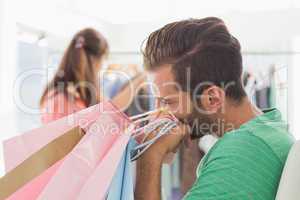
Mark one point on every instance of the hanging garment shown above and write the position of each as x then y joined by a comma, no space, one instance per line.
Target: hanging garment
249,82
189,160
263,98
111,84
272,97
175,178
142,102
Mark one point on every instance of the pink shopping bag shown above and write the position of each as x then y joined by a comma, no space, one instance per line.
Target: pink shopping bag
79,165
98,183
33,189
19,148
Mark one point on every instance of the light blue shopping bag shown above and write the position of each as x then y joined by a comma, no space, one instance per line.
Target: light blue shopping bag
122,185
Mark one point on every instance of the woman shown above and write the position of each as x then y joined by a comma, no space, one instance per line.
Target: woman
75,85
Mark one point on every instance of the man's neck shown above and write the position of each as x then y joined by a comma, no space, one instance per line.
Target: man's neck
236,115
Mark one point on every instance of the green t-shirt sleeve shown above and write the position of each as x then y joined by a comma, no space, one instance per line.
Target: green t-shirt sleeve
239,167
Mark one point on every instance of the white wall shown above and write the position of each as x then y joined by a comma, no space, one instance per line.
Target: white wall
56,17
294,93
260,31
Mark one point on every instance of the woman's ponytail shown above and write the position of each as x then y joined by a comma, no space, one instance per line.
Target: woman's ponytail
80,77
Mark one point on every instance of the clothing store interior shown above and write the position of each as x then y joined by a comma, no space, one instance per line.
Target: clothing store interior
95,103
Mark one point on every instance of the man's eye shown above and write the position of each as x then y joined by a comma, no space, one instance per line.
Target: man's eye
165,102
168,102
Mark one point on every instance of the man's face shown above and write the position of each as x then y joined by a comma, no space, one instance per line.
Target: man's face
169,94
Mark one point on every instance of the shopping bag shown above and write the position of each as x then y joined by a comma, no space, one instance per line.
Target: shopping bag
93,162
39,162
88,171
32,189
98,183
122,184
19,148
79,165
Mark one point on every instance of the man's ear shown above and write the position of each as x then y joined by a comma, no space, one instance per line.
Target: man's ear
213,99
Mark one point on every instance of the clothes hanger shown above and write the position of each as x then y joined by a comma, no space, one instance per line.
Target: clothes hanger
165,123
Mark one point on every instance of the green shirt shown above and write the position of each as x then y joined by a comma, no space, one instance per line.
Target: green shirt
245,164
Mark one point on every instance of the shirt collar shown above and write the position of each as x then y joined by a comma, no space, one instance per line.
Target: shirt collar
268,116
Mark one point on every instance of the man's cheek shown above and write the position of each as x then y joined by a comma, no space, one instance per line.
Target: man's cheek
180,112
175,108
182,117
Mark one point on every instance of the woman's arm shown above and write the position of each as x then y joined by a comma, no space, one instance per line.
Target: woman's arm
125,97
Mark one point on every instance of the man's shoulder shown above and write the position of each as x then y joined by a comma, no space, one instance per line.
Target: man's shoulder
237,140
246,161
272,139
239,164
265,137
239,145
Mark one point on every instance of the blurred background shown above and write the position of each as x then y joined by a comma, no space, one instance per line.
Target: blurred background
34,34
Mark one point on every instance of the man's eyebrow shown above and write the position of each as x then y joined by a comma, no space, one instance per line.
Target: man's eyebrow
173,84
163,98
158,97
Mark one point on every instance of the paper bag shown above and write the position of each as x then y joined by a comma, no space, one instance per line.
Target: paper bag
39,162
80,163
19,148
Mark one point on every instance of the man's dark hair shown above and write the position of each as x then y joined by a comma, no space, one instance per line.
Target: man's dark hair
203,46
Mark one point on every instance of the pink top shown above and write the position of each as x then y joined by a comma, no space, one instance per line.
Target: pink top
58,106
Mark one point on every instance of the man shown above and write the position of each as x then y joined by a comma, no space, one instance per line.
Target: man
197,68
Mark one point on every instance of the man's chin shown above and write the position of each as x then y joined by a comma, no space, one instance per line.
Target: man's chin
199,125
196,135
